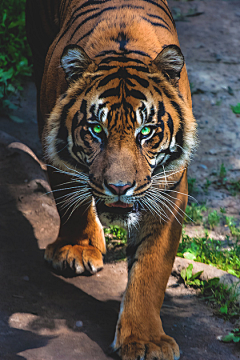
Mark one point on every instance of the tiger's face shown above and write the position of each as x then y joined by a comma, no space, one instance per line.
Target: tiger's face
121,122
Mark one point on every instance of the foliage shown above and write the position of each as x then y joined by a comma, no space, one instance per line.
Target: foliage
206,185
189,278
234,336
194,213
213,219
235,231
222,298
14,50
115,233
235,109
222,173
192,185
209,251
233,187
222,181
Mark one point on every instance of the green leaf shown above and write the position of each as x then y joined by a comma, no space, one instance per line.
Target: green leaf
224,309
228,338
8,104
232,272
236,331
11,88
4,18
184,274
7,75
195,276
189,271
189,256
13,24
236,339
236,109
16,119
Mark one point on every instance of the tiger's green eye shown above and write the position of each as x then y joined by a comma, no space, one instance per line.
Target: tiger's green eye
146,130
97,129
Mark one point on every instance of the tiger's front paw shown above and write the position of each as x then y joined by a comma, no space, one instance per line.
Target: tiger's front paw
166,349
75,257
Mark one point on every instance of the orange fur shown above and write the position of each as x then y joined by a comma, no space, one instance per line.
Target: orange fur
116,123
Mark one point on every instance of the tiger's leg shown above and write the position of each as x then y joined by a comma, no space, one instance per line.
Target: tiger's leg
80,243
139,333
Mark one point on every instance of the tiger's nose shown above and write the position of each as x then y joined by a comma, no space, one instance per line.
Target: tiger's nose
119,189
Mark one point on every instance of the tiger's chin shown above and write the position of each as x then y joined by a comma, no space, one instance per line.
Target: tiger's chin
119,213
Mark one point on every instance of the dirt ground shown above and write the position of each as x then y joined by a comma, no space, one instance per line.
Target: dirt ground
44,316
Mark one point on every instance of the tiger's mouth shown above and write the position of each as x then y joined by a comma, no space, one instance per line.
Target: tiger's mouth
120,204
119,208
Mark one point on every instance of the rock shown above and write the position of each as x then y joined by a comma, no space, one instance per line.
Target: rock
209,272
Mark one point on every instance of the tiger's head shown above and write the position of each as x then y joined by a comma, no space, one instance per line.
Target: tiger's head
124,124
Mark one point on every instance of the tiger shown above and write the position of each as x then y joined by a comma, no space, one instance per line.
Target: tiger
116,124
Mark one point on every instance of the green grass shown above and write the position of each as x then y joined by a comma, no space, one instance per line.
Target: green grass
222,181
213,219
14,51
211,252
192,188
222,297
194,214
224,255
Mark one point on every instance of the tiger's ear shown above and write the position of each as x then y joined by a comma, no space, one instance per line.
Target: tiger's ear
74,62
170,61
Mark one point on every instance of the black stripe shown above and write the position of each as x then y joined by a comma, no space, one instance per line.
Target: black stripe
155,23
179,136
107,52
101,12
178,109
94,80
165,10
126,52
86,34
170,125
110,92
152,113
136,94
143,82
161,109
72,20
122,73
91,18
159,18
156,145
166,92
123,59
63,131
132,67
142,186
